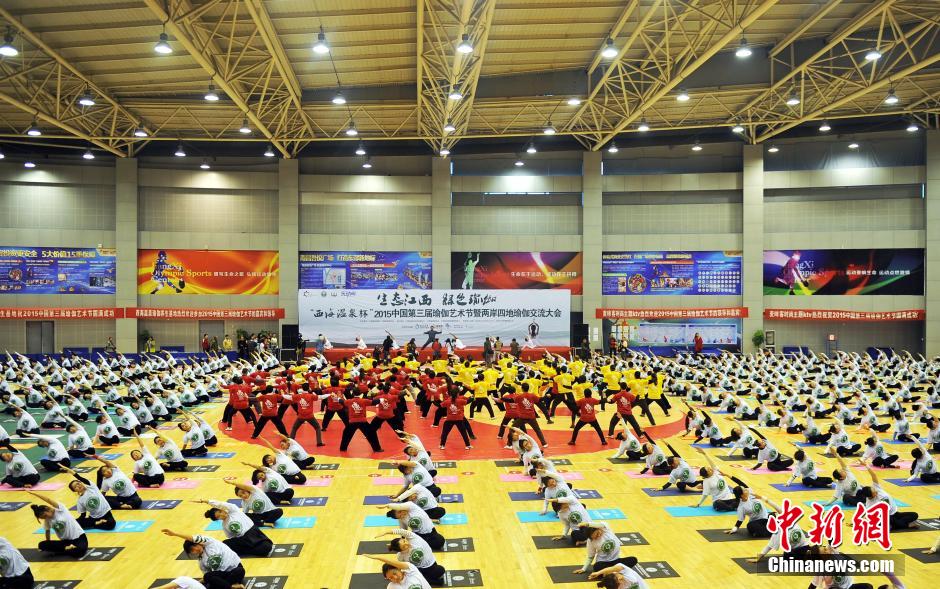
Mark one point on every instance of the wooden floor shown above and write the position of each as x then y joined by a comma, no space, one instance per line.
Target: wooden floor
504,550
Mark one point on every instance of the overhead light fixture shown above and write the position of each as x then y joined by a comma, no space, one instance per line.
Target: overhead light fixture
367,164
449,127
853,145
912,127
351,130
33,130
211,96
744,50
1,155
244,129
140,132
773,149
7,49
682,96
574,101
361,150
28,164
455,93
738,128
163,45
88,155
891,98
824,127
643,127
180,152
269,151
612,148
444,152
339,98
320,47
519,163
86,99
793,100
204,165
610,50
549,129
465,46
531,148
697,146
873,55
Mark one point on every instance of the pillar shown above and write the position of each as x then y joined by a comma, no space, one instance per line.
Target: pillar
752,266
125,229
440,222
288,236
932,231
592,244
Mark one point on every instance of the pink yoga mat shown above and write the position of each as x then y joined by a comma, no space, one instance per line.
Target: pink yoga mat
646,475
319,483
36,487
443,480
524,478
765,471
172,485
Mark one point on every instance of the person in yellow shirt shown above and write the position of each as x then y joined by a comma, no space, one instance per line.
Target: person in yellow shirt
562,394
439,366
481,396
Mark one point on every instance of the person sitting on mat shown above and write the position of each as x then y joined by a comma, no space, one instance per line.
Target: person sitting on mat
400,575
924,465
14,569
55,517
241,533
111,478
221,567
715,486
147,471
258,506
18,470
806,468
94,510
413,549
874,493
271,483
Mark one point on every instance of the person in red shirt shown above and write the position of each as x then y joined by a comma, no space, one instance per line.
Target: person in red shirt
526,404
454,406
623,401
356,413
386,410
239,396
587,416
305,406
509,406
436,348
699,343
335,402
268,404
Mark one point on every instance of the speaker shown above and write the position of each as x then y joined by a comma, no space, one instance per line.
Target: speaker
290,335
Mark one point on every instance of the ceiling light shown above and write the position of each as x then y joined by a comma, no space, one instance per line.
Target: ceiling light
339,98
643,127
697,146
549,129
7,49
361,150
140,132
455,94
1,155
33,130
773,149
444,152
912,127
163,46
738,128
465,45
531,148
211,96
320,47
873,55
269,152
29,165
204,165
853,145
367,164
351,130
519,163
825,127
88,155
449,128
610,50
682,96
743,51
179,151
793,100
574,101
891,98
86,99
244,129
612,148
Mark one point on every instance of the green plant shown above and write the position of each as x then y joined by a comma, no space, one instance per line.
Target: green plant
758,338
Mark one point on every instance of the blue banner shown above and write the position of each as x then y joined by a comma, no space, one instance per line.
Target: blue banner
671,273
365,270
57,270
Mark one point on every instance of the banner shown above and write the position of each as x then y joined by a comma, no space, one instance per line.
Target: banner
167,272
844,272
671,273
62,313
365,270
344,315
837,315
724,312
155,313
516,270
57,270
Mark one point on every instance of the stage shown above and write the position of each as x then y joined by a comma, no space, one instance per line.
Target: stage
474,353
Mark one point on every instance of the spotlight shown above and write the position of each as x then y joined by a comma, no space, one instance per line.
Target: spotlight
531,148
204,165
244,129
853,145
320,47
211,96
180,152
444,152
465,46
891,98
873,55
643,127
519,163
33,130
361,150
455,94
29,164
574,101
824,127
86,99
351,131
449,128
88,155
773,149
339,99
738,128
912,127
549,129
697,146
612,148
163,45
269,152
743,51
140,132
7,49
367,164
610,50
793,100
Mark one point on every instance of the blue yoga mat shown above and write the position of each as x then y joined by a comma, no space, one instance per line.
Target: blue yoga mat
450,498
897,502
915,483
895,442
529,517
533,496
122,527
109,456
808,445
383,499
285,523
703,511
210,455
380,521
670,492
797,488
295,502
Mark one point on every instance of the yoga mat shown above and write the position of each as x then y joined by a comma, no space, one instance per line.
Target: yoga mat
689,511
319,483
670,492
897,502
122,527
915,483
324,466
647,570
766,471
440,480
203,468
918,555
808,445
452,578
735,458
380,521
752,568
56,584
285,523
899,466
524,478
657,569
533,496
626,538
295,502
895,442
450,545
159,504
624,461
210,455
511,463
719,535
36,487
187,484
528,517
450,498
94,554
437,465
647,475
565,574
277,551
796,487
12,505
278,582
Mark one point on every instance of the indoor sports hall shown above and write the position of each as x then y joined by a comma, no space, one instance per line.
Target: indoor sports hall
402,294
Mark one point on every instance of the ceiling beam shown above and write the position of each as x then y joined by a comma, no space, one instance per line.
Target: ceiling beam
806,25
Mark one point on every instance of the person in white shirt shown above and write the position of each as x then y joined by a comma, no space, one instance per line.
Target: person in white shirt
56,454
603,548
411,517
618,576
276,486
401,575
876,454
221,567
924,465
874,493
258,506
715,486
806,469
170,454
94,510
241,533
413,549
25,423
111,478
147,471
14,569
55,517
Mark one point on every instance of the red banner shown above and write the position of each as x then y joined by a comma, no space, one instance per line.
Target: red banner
714,313
62,313
155,313
838,315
